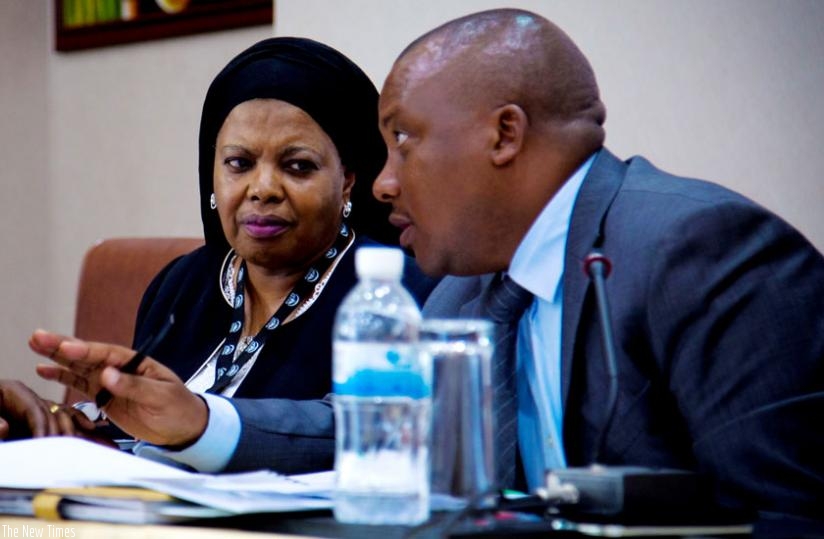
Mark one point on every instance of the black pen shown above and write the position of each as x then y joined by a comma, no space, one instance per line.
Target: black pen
130,367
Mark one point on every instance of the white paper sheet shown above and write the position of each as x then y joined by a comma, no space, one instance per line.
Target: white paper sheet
63,461
59,461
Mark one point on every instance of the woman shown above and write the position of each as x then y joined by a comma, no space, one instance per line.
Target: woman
289,146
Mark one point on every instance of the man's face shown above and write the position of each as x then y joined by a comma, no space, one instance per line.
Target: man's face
435,172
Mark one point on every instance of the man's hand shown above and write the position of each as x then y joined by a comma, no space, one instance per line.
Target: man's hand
152,405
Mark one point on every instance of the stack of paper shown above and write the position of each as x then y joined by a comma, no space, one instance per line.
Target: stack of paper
30,466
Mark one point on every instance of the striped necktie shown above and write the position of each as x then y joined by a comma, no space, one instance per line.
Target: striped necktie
504,302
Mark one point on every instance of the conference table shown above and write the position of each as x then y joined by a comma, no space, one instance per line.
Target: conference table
262,526
322,524
20,527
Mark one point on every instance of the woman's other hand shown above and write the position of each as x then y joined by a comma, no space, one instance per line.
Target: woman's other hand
25,414
152,405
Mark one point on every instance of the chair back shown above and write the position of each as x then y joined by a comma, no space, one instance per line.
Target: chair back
113,278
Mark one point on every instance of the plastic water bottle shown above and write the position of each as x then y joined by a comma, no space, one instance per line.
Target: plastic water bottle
382,398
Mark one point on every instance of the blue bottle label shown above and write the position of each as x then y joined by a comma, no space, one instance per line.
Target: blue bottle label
381,370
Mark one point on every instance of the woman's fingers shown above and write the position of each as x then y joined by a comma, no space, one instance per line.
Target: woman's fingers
64,419
51,411
81,421
26,413
23,408
72,422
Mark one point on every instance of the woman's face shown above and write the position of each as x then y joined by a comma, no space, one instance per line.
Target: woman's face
279,185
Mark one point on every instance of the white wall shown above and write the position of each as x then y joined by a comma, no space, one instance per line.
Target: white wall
26,222
103,143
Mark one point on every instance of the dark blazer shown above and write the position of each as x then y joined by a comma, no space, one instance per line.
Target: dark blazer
292,429
718,316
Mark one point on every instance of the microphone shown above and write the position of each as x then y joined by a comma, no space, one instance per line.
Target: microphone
598,267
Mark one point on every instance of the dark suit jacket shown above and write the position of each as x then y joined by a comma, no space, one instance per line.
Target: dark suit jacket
717,309
286,424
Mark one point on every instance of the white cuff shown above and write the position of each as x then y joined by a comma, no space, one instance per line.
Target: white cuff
215,447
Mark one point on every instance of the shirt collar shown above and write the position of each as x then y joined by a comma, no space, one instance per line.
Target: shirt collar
228,281
538,263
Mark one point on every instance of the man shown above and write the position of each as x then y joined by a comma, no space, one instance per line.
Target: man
495,129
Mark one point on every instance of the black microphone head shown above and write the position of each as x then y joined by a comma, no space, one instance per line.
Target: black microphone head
597,260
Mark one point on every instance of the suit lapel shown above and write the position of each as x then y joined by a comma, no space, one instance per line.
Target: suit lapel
594,199
472,308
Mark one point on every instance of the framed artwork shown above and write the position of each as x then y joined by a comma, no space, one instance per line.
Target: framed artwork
84,24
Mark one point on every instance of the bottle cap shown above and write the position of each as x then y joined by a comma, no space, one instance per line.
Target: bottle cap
379,262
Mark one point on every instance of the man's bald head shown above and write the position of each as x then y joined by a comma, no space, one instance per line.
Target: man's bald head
485,118
512,56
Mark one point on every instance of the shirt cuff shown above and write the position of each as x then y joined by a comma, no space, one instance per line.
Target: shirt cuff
215,447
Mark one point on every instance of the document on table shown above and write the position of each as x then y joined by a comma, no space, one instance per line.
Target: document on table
63,461
44,463
251,492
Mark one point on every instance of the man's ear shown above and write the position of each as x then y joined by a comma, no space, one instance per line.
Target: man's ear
511,125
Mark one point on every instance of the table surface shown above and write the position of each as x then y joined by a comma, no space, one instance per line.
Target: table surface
19,527
272,526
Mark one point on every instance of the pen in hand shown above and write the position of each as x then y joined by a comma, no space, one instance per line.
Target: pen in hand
104,396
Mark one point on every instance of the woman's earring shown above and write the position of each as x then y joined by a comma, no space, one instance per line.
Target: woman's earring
213,201
347,209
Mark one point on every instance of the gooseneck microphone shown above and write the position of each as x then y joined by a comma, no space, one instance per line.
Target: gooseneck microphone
598,267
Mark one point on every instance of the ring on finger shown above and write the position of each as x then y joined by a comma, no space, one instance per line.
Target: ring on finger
54,408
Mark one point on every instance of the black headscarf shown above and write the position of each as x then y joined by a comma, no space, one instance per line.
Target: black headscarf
326,85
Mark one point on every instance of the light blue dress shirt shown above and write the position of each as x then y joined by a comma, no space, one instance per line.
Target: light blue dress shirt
538,266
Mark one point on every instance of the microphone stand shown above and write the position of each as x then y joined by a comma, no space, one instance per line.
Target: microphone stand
598,267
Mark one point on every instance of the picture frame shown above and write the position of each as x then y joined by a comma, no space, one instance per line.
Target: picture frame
85,24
